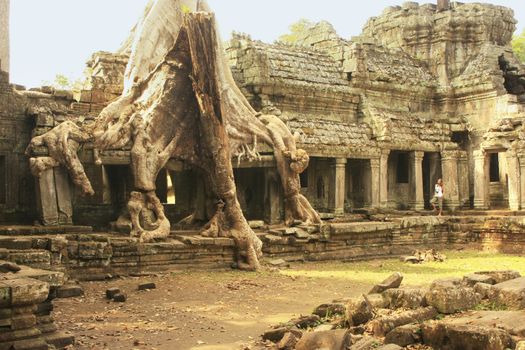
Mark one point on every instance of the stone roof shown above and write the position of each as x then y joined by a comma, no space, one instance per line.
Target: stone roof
323,135
284,63
390,66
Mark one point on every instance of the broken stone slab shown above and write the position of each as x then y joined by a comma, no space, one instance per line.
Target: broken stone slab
276,334
482,289
329,310
22,291
404,335
120,298
510,293
111,292
147,286
305,322
7,266
500,276
288,342
330,340
366,343
385,324
359,311
69,291
464,336
473,278
393,281
407,298
449,296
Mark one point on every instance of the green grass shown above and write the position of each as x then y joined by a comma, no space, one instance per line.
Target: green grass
457,264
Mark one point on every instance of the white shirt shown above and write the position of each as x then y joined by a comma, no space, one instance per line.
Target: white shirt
438,191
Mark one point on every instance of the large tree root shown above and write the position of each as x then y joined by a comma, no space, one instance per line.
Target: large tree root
180,102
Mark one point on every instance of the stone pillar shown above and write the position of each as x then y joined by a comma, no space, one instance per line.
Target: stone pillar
272,197
4,35
521,164
449,164
337,187
63,192
383,178
513,172
417,201
463,179
375,182
481,180
47,198
54,202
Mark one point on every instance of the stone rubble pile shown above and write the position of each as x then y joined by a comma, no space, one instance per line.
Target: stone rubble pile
483,310
26,298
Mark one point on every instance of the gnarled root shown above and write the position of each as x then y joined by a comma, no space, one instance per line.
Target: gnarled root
290,163
62,143
147,231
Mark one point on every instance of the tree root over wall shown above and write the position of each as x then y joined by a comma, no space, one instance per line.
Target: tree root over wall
185,107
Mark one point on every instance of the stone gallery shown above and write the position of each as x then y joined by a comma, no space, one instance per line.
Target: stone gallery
182,151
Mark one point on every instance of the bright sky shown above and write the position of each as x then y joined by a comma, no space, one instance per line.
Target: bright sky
58,36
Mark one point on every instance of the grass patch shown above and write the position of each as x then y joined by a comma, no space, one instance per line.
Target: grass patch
457,264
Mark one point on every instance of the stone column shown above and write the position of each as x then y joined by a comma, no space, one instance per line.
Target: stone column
383,178
272,197
417,201
375,182
337,187
463,179
481,180
521,164
513,172
4,35
449,164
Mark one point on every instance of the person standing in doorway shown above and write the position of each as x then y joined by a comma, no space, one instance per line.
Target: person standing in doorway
438,197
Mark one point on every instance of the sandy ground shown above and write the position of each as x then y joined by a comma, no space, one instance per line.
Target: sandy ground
194,310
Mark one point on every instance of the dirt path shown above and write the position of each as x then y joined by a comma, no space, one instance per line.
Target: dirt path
196,310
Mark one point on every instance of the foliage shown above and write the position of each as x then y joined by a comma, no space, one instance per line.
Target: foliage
63,82
296,30
518,45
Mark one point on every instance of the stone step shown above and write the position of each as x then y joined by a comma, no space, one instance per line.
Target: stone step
38,258
24,230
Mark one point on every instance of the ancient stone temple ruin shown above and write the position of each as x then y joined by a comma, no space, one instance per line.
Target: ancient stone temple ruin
359,128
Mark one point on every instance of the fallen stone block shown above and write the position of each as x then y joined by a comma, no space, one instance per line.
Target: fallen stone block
147,286
276,334
111,292
404,335
461,336
366,343
288,342
482,289
119,298
408,298
500,276
393,281
473,278
520,345
69,291
329,310
510,293
7,266
329,340
449,296
359,311
304,322
385,324
278,263
389,347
